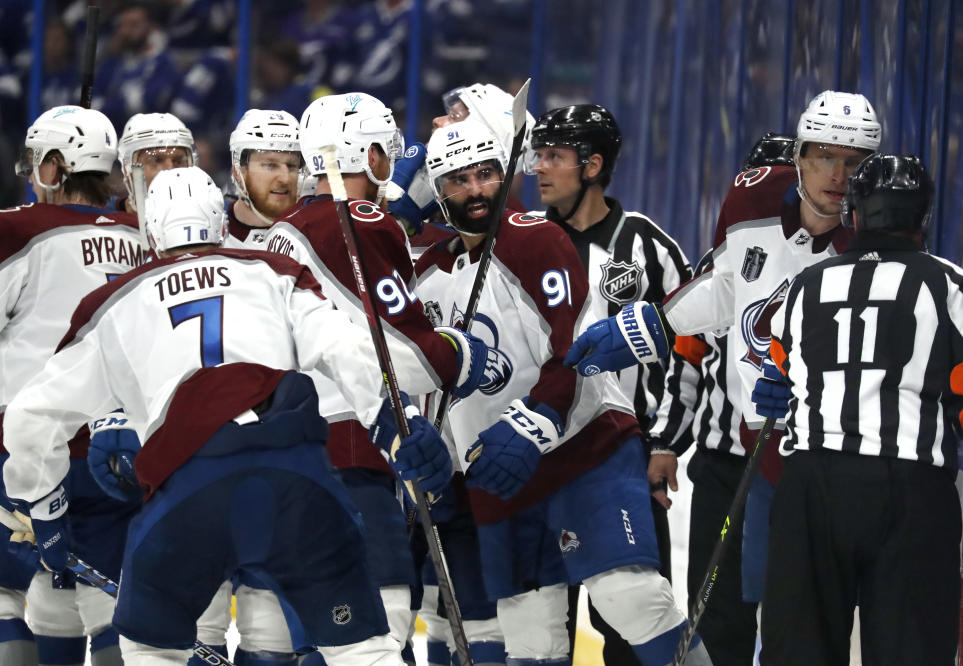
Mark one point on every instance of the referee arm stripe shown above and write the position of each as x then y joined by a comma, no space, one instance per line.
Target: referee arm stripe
691,348
778,355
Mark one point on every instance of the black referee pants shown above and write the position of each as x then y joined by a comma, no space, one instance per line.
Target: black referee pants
880,532
728,626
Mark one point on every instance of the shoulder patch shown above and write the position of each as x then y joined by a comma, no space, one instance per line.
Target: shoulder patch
752,177
525,219
365,211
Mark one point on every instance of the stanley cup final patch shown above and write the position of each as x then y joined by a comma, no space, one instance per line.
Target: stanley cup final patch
621,282
753,263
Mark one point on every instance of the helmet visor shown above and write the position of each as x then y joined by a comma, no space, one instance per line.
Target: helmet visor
827,159
164,157
469,196
456,109
555,155
24,164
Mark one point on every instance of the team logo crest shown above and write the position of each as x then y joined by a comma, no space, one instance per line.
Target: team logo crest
365,211
621,282
411,152
568,542
752,177
753,263
341,614
498,367
756,324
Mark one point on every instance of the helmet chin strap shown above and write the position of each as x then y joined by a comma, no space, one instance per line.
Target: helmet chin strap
801,190
583,188
246,197
382,184
47,190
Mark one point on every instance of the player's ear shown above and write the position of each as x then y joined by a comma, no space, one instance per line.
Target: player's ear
594,166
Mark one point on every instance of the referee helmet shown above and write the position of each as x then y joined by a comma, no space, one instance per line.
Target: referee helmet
889,193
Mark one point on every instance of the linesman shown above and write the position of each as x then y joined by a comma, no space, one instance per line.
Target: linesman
871,344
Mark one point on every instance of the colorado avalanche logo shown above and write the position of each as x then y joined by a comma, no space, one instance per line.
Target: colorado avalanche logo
751,177
756,324
568,542
498,367
621,282
365,211
524,219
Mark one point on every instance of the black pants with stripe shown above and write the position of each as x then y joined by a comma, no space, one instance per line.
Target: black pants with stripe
728,625
882,533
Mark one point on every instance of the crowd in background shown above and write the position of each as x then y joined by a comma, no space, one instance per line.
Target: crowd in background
180,56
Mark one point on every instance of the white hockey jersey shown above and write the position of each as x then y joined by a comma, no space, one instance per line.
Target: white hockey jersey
183,345
534,301
50,258
759,247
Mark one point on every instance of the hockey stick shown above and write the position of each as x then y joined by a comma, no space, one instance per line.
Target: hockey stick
94,578
445,588
90,56
733,517
518,119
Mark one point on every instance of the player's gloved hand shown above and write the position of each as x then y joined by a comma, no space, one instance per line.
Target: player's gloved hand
113,447
771,393
45,537
409,194
663,467
421,458
471,357
638,334
505,455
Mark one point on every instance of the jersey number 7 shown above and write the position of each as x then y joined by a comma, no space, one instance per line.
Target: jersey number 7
211,314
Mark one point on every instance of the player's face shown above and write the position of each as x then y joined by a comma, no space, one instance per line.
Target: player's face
470,196
159,159
272,180
559,179
825,170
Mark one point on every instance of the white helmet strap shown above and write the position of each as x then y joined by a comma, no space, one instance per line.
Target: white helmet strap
801,190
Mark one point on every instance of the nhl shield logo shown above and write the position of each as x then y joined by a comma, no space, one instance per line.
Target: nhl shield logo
621,282
341,614
753,263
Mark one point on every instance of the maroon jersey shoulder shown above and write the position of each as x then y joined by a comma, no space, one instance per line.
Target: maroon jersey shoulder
21,224
754,195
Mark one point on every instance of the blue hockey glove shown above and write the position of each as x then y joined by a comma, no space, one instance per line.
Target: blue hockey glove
45,537
409,194
421,458
113,447
471,357
635,335
771,393
505,455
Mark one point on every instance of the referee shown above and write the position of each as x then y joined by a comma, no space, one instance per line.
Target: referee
871,343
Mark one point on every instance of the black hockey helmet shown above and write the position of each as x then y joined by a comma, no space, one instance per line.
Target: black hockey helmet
588,128
889,193
770,150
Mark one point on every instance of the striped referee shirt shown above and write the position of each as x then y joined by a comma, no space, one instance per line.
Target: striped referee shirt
628,257
872,344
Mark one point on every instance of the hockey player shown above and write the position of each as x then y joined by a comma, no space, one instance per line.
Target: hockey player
53,254
265,165
870,343
626,256
158,141
233,463
549,452
367,143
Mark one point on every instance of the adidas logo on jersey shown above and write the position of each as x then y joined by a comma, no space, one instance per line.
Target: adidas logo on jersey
871,256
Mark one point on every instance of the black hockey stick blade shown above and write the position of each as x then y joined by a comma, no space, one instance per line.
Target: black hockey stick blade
89,56
445,588
733,517
94,578
519,104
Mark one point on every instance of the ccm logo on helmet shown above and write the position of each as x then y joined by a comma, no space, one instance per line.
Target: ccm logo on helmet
456,151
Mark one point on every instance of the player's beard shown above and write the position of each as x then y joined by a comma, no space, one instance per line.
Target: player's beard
269,206
462,221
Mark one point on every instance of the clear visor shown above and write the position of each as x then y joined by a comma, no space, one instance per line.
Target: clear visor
476,183
395,148
274,163
164,157
827,160
454,106
24,164
553,156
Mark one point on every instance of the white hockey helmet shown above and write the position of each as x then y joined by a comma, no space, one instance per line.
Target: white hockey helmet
260,129
151,130
841,119
85,137
184,207
493,106
352,123
457,146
